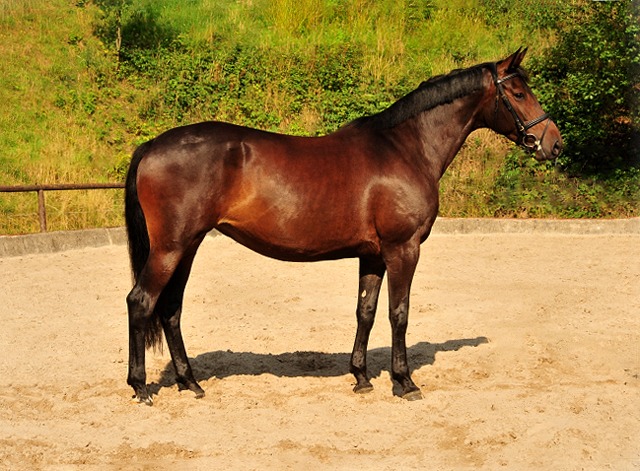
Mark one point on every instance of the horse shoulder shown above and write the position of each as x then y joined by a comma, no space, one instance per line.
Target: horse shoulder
403,202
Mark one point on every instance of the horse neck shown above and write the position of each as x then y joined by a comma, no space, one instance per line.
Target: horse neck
443,130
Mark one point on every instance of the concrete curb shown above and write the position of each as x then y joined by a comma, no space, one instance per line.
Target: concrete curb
48,242
536,226
18,245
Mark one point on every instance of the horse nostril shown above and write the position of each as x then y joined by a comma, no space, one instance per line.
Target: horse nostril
557,148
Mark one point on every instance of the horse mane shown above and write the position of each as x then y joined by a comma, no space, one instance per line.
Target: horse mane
434,92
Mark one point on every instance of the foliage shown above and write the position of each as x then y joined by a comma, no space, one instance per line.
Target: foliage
547,14
484,183
590,83
85,82
128,25
525,188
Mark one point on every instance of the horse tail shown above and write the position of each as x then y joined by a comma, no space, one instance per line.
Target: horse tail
138,237
136,222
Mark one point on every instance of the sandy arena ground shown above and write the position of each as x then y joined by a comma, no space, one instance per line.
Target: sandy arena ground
526,348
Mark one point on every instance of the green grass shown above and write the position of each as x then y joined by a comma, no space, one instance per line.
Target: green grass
74,114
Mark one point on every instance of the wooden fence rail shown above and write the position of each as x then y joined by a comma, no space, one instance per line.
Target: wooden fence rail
40,189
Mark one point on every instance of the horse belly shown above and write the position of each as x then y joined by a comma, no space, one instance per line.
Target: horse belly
295,237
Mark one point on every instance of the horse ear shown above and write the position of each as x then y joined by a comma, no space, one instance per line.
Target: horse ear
516,59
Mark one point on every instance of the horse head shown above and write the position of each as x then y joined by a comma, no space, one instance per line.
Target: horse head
516,113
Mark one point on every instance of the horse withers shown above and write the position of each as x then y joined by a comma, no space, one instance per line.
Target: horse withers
368,190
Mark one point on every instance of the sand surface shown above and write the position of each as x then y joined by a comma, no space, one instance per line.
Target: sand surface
526,348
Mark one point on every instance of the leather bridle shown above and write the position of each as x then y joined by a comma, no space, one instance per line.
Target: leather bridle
528,140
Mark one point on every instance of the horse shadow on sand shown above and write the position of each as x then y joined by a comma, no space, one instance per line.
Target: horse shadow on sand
221,364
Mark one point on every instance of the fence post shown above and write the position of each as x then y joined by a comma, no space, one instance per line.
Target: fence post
41,211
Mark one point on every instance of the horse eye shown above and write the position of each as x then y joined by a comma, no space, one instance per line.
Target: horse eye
519,96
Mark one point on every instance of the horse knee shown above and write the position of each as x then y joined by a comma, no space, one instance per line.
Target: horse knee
367,309
399,319
366,318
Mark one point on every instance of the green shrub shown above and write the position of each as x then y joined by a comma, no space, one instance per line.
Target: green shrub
538,13
589,82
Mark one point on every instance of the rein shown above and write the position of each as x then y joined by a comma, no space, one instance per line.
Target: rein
528,140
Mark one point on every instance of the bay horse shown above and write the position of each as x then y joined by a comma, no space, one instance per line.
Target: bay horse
368,190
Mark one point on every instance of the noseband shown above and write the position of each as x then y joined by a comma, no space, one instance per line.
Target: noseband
529,141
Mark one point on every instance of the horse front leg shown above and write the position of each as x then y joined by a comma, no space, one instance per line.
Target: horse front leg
371,273
401,263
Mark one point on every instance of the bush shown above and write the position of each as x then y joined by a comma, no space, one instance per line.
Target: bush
539,13
589,80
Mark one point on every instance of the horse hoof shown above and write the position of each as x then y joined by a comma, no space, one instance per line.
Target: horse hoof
146,401
366,389
412,396
200,395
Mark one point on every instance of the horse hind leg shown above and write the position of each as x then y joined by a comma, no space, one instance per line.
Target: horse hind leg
169,307
144,324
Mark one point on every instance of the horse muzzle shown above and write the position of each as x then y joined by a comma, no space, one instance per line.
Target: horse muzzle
548,146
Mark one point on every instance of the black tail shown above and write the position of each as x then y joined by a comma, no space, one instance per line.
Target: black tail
139,237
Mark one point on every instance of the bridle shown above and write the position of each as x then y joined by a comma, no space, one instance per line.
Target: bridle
528,140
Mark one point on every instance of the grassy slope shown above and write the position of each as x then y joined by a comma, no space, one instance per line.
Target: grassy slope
73,118
43,142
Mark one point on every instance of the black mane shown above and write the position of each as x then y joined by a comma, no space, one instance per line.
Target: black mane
436,91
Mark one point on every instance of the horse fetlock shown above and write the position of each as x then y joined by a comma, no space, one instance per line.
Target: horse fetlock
141,393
